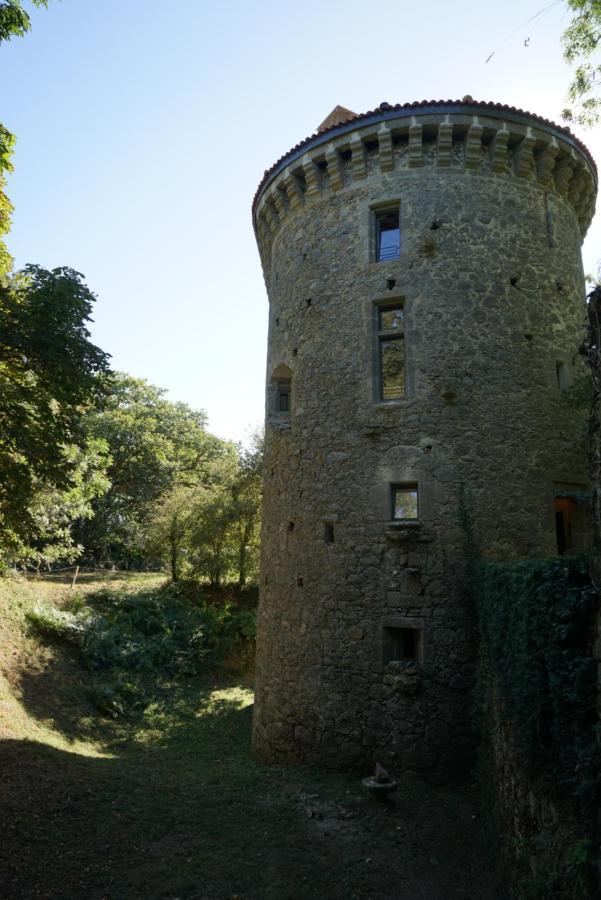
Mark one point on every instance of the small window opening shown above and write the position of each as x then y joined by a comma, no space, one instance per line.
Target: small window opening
277,321
328,533
388,234
290,526
299,582
405,506
284,396
559,286
402,645
391,352
280,391
562,374
295,351
572,519
390,283
529,337
435,226
309,301
514,280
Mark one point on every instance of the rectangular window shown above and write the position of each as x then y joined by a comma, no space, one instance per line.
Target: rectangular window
391,352
402,645
404,502
388,234
283,401
572,518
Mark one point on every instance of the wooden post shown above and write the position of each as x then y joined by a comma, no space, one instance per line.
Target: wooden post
75,576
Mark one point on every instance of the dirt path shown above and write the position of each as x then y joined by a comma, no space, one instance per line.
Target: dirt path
193,817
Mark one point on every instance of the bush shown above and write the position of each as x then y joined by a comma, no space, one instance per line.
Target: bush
171,631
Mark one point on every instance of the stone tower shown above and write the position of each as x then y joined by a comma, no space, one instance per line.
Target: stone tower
426,308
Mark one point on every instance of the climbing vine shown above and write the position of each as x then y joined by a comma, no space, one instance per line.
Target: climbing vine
537,622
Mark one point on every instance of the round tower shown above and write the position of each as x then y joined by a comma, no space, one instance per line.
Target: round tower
427,305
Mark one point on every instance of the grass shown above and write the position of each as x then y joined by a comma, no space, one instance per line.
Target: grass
165,802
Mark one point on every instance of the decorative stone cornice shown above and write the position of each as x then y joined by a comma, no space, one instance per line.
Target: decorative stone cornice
481,145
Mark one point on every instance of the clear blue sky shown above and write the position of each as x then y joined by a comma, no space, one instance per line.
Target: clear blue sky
144,127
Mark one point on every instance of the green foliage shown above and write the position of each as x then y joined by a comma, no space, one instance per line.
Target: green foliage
212,530
14,22
154,445
173,631
536,620
7,143
14,19
48,377
581,41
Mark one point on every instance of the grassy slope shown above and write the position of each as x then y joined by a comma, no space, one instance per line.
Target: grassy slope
168,803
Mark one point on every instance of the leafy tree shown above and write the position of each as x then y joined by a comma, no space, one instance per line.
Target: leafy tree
7,143
154,445
211,530
213,553
246,495
168,529
14,22
48,378
53,510
581,41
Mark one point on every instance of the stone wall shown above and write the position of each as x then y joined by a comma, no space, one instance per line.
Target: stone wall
490,280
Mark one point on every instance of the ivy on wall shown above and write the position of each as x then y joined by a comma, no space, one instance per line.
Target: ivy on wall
537,623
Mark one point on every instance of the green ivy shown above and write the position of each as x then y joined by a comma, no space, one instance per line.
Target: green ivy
537,621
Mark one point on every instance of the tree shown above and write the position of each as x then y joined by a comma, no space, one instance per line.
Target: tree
53,510
213,553
246,495
169,526
48,377
581,41
14,22
154,445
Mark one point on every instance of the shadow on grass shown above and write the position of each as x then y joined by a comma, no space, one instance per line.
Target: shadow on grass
76,826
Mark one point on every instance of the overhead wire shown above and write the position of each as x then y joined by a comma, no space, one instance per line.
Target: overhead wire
536,18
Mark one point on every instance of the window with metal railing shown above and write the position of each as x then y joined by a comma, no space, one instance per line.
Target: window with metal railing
387,234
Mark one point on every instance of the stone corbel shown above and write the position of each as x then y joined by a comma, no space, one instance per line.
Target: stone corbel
293,190
334,167
444,144
358,159
498,151
523,160
545,163
385,148
416,150
311,177
277,198
563,175
473,146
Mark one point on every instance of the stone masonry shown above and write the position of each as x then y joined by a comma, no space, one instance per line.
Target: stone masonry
366,643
